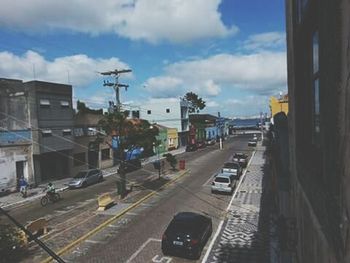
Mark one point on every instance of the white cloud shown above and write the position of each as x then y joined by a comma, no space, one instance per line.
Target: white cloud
260,73
150,20
79,69
265,41
164,86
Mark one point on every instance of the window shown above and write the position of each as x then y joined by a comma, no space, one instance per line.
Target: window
300,9
46,133
135,114
44,103
148,111
67,132
316,88
79,159
168,110
105,154
64,104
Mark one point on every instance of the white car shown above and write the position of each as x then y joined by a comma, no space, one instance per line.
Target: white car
253,142
232,168
223,182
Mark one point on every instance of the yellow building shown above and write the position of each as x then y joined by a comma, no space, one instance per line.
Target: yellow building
173,139
278,105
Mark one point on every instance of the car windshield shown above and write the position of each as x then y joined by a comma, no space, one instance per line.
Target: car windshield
80,175
231,165
222,180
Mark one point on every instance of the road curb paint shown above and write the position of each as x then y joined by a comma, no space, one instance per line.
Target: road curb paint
103,225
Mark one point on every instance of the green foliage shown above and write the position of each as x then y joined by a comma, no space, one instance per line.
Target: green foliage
171,159
197,103
11,245
138,134
81,107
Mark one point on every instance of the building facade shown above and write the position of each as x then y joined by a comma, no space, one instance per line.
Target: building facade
51,119
319,126
15,136
92,149
205,126
278,105
172,113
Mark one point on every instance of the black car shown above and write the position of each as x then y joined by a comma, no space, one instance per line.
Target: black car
241,158
186,235
191,148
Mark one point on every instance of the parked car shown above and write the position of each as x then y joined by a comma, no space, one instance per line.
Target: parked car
253,141
191,148
232,168
241,158
224,182
210,141
85,178
186,235
200,145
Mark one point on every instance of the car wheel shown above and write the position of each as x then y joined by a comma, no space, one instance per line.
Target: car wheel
84,184
100,179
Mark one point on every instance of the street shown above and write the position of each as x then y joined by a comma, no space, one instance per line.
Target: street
136,235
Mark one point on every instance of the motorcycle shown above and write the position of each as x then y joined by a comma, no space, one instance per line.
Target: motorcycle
50,197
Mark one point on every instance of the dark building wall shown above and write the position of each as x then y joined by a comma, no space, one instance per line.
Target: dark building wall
319,160
52,154
54,117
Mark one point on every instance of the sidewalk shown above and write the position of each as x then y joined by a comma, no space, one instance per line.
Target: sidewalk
245,235
15,199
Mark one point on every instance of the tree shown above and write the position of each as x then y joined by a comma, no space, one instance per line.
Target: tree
81,107
132,133
11,245
197,103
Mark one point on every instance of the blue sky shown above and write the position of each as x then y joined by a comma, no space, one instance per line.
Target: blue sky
230,52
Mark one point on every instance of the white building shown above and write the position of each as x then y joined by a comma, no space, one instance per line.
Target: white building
172,113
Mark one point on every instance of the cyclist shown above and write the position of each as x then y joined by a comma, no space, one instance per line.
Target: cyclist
50,190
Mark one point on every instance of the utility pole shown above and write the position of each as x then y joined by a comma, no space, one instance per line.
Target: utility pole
116,85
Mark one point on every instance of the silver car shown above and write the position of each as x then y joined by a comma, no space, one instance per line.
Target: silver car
223,182
85,178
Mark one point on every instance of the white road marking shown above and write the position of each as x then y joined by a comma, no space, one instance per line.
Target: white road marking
141,248
114,226
212,242
132,214
95,241
160,259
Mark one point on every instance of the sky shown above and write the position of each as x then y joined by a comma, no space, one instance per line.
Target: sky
232,53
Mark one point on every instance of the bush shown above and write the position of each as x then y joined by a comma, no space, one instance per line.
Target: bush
11,244
171,160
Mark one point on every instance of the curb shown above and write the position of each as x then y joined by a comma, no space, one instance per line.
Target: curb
29,199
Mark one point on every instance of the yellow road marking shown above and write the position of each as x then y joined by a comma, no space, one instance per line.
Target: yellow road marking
104,224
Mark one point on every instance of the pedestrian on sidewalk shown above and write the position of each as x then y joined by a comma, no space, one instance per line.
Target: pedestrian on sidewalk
23,184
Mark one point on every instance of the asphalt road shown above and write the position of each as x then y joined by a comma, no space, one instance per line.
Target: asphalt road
136,237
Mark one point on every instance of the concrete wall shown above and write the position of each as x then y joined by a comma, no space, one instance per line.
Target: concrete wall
172,119
8,158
